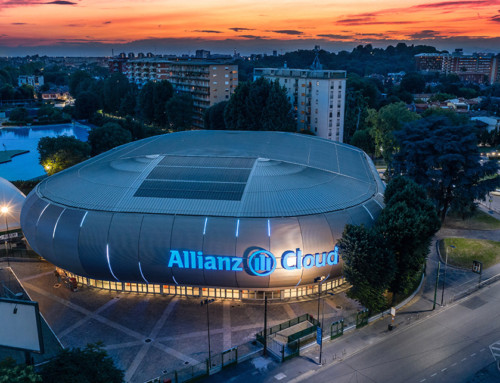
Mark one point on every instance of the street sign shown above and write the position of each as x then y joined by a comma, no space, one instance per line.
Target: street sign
477,267
319,335
393,311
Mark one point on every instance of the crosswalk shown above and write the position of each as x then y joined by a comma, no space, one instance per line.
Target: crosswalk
495,350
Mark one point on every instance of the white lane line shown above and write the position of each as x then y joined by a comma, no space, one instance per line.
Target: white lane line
433,375
444,369
463,359
453,365
423,380
483,349
473,354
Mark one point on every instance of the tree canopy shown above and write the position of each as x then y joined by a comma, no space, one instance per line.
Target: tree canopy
91,364
10,372
152,101
443,158
106,137
260,105
214,117
59,153
179,111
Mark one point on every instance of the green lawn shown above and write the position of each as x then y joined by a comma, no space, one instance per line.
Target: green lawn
6,155
479,221
468,250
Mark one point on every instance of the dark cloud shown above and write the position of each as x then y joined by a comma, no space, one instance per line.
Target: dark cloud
370,34
107,22
336,37
454,4
288,32
18,24
236,29
425,34
251,37
61,2
369,20
496,19
206,31
75,25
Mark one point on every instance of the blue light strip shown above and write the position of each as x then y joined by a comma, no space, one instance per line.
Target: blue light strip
83,219
237,228
55,226
205,226
40,216
109,263
268,228
174,280
142,275
368,212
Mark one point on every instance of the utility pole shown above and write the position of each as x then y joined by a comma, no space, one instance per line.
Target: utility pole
265,324
436,287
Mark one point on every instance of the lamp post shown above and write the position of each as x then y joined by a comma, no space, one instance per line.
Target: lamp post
5,211
444,274
206,302
320,325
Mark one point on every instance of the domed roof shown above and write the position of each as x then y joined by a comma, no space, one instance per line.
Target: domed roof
219,173
12,198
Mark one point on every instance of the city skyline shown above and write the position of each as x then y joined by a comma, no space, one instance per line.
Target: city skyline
90,27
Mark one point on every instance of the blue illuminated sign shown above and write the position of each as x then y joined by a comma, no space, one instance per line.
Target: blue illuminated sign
259,263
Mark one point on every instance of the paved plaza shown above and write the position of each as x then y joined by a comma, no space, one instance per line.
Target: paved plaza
148,334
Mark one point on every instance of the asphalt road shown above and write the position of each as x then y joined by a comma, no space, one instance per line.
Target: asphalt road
451,345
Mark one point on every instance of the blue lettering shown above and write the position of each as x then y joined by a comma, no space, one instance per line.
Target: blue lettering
284,260
333,257
308,261
323,260
237,264
299,258
210,263
224,263
175,258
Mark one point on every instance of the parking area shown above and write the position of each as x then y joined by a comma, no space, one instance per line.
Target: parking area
148,334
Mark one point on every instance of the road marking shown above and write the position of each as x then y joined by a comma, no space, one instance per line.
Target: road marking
444,369
483,349
453,365
433,375
495,350
279,376
423,380
473,354
463,359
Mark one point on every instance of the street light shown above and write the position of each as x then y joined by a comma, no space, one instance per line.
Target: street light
320,325
5,211
206,302
444,274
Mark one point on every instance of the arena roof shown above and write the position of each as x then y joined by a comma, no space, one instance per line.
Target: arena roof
220,173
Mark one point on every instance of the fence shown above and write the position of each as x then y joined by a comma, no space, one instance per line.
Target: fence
285,325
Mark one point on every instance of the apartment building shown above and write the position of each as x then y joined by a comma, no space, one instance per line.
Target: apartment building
34,80
476,68
317,97
206,81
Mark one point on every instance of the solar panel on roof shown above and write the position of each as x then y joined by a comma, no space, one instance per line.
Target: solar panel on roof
213,178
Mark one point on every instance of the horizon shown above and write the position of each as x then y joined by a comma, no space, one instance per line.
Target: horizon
82,28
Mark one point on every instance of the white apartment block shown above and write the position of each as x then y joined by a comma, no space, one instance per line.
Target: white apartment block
317,97
34,81
207,82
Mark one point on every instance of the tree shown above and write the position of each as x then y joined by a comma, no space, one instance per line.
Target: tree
152,100
214,117
91,364
363,140
180,110
86,105
10,372
108,136
407,223
385,123
19,115
59,153
260,105
115,88
80,81
413,83
368,265
443,158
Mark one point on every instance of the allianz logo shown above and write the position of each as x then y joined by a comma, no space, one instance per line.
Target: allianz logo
258,262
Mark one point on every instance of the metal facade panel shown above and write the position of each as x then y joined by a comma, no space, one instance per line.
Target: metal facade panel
123,242
92,245
187,235
30,212
252,236
154,246
66,241
317,241
337,221
45,232
220,239
285,236
351,163
360,215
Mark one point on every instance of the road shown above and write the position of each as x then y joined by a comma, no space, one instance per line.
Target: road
451,345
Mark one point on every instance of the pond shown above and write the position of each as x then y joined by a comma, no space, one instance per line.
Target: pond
26,166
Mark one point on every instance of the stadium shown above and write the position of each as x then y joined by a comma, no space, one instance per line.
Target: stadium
206,213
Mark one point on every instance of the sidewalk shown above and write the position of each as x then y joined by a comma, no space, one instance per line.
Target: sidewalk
265,369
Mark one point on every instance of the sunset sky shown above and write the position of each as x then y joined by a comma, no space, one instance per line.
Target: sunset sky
82,27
